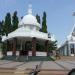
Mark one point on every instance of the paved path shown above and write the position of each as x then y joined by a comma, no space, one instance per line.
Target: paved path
10,65
45,66
67,65
4,62
51,66
54,65
28,65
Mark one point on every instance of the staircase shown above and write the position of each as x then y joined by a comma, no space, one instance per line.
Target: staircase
14,72
29,71
7,71
53,73
22,72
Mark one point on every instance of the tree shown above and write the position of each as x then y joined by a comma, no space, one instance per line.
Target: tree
39,47
1,30
4,48
7,24
38,18
52,45
44,26
1,27
15,21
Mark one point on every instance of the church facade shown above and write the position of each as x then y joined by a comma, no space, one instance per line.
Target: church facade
68,48
28,30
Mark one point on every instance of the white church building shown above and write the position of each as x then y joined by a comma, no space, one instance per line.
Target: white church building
68,47
28,30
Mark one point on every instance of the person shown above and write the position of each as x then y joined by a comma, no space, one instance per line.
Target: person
72,72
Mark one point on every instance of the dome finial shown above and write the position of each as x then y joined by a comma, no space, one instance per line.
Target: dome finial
29,9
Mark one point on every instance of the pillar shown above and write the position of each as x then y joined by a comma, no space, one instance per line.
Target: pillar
69,50
7,45
34,46
74,49
46,47
21,45
14,47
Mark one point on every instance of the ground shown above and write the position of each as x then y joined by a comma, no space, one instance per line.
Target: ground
58,67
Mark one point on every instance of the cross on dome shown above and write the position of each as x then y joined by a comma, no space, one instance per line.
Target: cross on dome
30,9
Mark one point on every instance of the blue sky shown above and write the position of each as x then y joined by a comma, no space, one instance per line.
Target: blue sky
59,13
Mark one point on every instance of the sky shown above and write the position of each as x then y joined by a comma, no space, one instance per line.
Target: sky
59,14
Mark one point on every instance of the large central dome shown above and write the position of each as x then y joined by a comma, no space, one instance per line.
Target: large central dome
29,19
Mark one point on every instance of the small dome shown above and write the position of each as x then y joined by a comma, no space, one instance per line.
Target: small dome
29,19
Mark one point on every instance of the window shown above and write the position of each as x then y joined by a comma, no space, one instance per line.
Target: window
72,48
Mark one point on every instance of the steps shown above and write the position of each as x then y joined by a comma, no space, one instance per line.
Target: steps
22,72
14,72
27,72
53,73
6,71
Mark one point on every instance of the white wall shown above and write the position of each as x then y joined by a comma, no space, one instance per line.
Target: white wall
38,53
30,53
10,53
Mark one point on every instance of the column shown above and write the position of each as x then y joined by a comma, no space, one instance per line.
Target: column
14,46
65,51
34,46
7,47
21,45
74,49
69,50
46,47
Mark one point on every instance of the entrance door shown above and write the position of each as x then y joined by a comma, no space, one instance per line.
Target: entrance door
72,49
23,53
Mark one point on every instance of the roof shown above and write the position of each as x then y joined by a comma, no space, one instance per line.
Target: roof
71,36
21,32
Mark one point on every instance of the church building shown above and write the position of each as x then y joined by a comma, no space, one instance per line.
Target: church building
68,48
28,30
